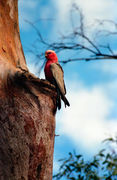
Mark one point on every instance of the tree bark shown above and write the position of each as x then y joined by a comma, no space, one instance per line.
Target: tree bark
10,45
27,108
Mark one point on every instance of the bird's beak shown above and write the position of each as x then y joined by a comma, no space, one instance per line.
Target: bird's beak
45,54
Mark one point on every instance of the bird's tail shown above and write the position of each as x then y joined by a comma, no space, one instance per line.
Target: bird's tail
66,102
59,102
59,97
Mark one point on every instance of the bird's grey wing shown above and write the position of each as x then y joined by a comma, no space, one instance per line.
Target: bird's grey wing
58,76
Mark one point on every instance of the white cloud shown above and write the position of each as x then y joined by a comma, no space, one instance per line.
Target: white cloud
109,66
33,68
95,9
88,120
92,10
31,64
56,166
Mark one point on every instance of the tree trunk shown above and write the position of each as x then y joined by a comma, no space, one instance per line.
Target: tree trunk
27,108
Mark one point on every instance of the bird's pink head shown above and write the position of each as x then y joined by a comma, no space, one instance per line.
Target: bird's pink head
51,56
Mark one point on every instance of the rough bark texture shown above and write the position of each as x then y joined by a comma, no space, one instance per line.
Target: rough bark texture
27,108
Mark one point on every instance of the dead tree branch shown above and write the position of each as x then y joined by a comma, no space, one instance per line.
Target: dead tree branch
81,41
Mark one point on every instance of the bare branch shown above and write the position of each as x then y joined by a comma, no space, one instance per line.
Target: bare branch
103,57
38,33
79,40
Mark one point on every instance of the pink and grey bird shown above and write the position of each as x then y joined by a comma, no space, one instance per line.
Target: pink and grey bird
55,75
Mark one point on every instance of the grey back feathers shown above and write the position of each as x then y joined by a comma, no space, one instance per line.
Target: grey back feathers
58,76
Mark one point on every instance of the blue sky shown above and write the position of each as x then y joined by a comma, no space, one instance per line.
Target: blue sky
91,86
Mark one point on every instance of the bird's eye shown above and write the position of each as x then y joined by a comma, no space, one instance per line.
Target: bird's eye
49,52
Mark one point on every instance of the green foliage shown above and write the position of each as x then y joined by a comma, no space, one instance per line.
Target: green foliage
102,166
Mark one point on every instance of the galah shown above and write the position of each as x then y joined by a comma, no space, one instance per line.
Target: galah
55,75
